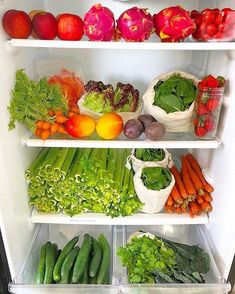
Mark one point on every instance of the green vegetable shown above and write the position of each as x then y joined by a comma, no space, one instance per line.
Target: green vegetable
157,260
85,276
82,259
105,264
67,266
66,250
96,258
156,178
32,100
50,262
150,154
39,279
92,280
174,94
64,181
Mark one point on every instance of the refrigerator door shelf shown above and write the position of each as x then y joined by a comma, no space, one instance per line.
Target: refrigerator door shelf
117,237
170,140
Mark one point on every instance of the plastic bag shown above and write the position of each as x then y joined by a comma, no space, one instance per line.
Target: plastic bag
180,121
96,115
153,200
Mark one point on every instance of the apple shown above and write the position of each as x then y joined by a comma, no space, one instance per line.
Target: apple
70,27
17,24
44,25
31,15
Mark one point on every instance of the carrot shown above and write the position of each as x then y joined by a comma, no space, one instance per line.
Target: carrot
175,194
199,199
206,206
194,177
46,125
61,119
71,113
58,112
183,209
51,112
45,134
61,130
170,200
54,127
39,124
179,182
169,209
198,170
37,132
74,108
178,210
207,197
195,208
187,181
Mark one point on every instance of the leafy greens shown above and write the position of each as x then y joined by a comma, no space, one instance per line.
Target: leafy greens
174,94
158,260
156,178
150,154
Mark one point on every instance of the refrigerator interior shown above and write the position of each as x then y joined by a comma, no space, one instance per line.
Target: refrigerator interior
112,66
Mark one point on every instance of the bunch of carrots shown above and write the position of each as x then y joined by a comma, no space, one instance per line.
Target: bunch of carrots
45,129
191,192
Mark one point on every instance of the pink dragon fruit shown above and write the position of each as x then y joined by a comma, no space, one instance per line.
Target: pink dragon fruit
135,24
173,24
99,23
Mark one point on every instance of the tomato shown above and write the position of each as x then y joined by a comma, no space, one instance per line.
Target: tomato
221,27
219,19
208,18
218,36
196,121
202,109
225,10
198,20
200,131
211,29
206,10
202,28
230,18
215,11
209,123
212,104
194,14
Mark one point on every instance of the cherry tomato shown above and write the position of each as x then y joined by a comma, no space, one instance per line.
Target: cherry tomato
208,18
211,29
206,10
219,19
218,36
216,10
202,28
221,27
194,14
198,20
200,131
225,10
230,18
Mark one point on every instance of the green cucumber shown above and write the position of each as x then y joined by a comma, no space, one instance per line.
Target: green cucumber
68,264
106,280
92,280
82,258
96,259
105,264
50,263
39,279
67,248
85,276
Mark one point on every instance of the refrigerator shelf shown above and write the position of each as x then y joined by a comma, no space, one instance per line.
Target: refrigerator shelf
117,237
101,219
153,44
171,140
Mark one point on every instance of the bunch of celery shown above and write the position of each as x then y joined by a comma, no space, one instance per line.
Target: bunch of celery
78,180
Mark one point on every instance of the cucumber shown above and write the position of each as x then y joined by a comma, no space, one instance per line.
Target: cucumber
85,276
39,278
50,263
67,248
92,280
82,258
67,265
58,253
96,259
106,280
105,264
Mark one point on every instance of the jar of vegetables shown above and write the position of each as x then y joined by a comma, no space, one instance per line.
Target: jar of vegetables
207,109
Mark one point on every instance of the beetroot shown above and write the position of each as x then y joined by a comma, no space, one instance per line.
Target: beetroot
99,23
135,24
173,24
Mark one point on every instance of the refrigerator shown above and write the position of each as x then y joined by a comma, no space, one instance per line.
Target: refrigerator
24,230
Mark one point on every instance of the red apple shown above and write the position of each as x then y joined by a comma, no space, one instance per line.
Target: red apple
45,25
70,27
17,24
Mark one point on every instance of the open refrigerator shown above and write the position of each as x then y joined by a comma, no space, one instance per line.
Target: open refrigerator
24,230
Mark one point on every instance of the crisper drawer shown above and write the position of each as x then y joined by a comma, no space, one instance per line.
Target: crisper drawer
60,234
188,234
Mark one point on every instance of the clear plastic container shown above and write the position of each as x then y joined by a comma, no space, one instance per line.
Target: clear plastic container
207,112
214,25
117,236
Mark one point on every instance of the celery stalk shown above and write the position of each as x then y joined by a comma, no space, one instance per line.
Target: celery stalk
120,169
68,161
75,164
51,157
36,163
112,157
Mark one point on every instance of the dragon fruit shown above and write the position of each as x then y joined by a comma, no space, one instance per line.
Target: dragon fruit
99,23
135,24
173,24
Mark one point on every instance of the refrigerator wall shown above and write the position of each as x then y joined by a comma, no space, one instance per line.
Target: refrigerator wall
137,67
